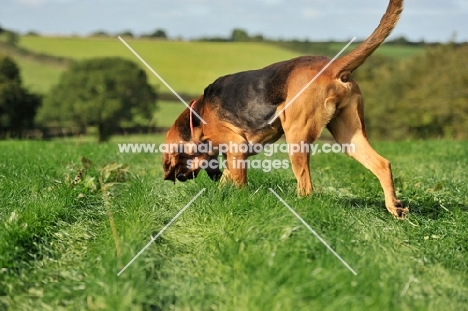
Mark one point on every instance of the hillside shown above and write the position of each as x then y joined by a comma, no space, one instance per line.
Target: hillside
187,66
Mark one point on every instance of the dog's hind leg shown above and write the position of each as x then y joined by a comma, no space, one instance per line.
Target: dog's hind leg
348,128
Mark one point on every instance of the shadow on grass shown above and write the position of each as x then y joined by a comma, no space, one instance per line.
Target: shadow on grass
423,205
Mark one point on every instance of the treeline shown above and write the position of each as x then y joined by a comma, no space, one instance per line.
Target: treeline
156,34
11,37
419,98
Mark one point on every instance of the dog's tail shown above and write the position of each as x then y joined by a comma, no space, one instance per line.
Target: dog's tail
356,57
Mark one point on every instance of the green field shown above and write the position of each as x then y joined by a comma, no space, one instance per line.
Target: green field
37,76
187,66
168,112
398,52
232,249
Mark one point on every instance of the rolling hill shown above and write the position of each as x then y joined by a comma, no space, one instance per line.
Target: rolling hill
187,66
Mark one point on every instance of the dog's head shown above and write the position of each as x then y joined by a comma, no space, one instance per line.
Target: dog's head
182,159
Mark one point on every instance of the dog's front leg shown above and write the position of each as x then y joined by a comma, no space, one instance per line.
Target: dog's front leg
297,137
236,169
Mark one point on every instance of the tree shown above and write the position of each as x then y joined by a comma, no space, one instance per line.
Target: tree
239,35
100,33
421,97
8,36
126,33
402,40
17,105
9,71
12,38
157,34
32,33
101,92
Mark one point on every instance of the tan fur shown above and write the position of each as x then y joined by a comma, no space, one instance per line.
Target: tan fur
334,101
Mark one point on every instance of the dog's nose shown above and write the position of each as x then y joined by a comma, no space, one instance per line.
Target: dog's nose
181,177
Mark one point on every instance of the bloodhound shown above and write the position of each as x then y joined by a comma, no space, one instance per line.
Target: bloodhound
238,109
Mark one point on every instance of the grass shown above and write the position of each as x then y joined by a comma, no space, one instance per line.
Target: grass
37,76
232,249
168,112
187,66
395,51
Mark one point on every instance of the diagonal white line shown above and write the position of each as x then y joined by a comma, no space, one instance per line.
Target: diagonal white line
161,79
311,81
160,232
313,232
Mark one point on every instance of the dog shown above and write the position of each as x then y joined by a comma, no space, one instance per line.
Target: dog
238,108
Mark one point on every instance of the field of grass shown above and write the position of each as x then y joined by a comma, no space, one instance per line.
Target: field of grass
168,112
62,243
38,77
187,66
398,52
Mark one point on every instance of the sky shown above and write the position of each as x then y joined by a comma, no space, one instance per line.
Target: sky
429,20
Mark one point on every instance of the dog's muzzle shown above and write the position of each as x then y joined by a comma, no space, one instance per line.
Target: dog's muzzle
181,177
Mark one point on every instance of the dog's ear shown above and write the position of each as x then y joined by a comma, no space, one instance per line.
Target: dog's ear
197,134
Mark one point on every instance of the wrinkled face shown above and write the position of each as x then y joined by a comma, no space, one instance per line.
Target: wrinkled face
183,165
180,166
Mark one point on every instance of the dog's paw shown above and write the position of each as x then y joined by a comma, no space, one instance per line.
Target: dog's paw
398,210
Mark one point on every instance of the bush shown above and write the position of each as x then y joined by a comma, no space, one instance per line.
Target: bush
17,105
423,97
101,92
157,34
